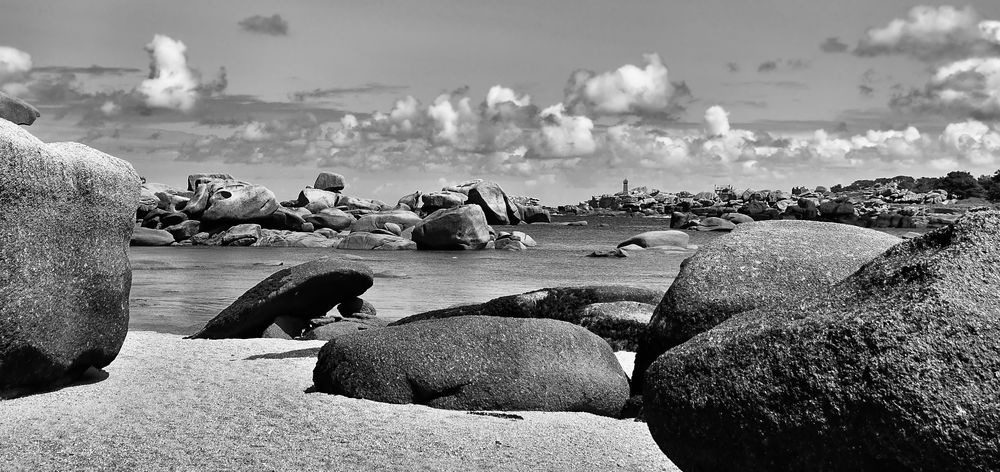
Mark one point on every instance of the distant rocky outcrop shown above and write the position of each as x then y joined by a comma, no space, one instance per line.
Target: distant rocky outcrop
477,363
894,368
461,227
68,211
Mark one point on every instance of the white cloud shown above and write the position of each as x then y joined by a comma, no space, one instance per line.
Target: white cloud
172,84
499,94
563,135
13,63
626,90
716,121
933,34
969,86
974,141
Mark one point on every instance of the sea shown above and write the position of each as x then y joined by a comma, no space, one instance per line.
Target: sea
178,289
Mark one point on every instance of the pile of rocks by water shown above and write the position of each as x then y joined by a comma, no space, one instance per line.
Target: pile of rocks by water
219,210
884,206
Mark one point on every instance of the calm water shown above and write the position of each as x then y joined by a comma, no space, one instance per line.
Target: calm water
178,289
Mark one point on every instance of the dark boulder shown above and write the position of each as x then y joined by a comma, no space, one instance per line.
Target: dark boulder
356,308
329,181
893,369
535,214
497,207
461,227
17,111
307,291
758,264
68,212
593,307
332,218
477,363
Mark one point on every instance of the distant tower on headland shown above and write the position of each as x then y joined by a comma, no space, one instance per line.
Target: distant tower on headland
625,186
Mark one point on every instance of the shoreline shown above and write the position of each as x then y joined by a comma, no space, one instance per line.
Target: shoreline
169,403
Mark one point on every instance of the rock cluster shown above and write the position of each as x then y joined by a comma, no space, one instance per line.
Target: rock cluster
218,209
893,368
618,314
67,214
882,206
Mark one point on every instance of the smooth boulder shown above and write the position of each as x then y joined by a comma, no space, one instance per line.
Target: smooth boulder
194,180
671,238
231,200
305,291
17,111
150,237
477,363
68,215
373,221
499,210
374,241
571,304
760,263
894,368
461,227
329,181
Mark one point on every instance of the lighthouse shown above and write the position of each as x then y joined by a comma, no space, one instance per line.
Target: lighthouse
625,186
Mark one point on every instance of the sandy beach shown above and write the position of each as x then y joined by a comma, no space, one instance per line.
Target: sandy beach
173,404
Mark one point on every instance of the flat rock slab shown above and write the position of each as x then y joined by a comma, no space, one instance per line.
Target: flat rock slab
307,290
477,363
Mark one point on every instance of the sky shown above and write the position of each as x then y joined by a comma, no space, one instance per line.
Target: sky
556,99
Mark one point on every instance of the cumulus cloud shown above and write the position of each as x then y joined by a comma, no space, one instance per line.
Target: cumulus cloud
969,87
273,25
933,34
973,141
171,83
13,63
833,45
563,135
629,89
716,121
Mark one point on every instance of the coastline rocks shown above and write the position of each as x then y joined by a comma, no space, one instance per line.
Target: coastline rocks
477,363
196,179
337,329
892,369
434,201
329,181
713,223
282,238
570,304
356,308
413,201
671,238
184,230
17,111
496,206
534,214
756,265
241,235
68,213
231,200
462,227
616,252
373,221
331,218
306,291
316,200
375,241
150,237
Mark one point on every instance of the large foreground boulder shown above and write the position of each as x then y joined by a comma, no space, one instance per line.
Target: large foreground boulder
461,227
895,368
305,291
477,363
17,111
760,263
68,213
620,315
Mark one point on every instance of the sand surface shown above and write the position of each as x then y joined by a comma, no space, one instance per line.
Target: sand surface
173,404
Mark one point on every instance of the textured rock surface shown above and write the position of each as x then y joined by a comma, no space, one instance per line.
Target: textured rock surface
68,213
462,227
150,237
571,304
195,179
760,263
496,206
671,238
373,221
329,181
307,290
378,242
17,111
231,200
477,363
894,368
